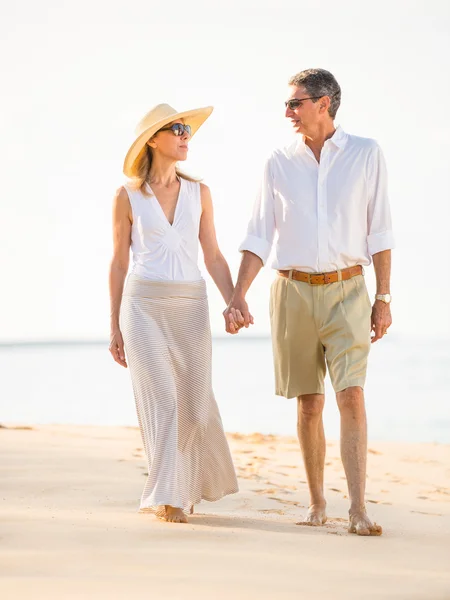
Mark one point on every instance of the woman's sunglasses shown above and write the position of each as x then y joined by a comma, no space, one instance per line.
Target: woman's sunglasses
178,129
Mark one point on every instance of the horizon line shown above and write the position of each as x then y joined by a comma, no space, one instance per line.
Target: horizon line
98,341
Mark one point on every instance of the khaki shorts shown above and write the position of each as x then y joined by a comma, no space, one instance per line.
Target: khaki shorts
318,325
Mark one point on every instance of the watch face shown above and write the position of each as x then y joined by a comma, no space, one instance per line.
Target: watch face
387,297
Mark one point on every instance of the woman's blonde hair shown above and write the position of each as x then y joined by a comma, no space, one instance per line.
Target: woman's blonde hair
141,170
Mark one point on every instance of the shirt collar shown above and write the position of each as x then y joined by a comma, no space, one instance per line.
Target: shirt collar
338,139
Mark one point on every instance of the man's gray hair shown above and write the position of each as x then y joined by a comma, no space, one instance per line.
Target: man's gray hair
318,82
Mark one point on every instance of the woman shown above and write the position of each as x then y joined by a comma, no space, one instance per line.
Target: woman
161,317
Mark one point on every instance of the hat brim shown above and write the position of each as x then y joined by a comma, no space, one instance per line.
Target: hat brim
195,118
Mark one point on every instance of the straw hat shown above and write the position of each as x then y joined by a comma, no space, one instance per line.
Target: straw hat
157,117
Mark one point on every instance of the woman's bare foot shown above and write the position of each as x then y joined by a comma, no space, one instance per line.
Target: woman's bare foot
172,515
360,524
316,516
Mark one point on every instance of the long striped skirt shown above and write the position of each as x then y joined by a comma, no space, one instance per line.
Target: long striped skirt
166,331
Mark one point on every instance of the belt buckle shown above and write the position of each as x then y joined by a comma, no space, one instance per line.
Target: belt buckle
315,275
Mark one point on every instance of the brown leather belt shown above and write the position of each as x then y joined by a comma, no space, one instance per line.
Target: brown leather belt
323,278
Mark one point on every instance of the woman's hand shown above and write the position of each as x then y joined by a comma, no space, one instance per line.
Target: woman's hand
237,315
116,347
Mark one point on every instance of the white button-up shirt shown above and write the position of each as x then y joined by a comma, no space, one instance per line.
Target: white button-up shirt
328,215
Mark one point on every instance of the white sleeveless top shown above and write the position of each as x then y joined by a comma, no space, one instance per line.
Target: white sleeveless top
162,251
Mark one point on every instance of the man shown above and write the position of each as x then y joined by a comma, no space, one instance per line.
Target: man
325,196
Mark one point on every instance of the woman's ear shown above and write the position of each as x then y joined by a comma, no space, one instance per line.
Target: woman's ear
152,143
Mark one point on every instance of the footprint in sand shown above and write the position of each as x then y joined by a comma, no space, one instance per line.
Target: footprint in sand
371,451
288,502
440,492
287,488
421,512
335,490
251,476
272,511
265,491
373,501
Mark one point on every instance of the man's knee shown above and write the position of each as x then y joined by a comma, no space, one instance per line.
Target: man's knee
310,406
351,400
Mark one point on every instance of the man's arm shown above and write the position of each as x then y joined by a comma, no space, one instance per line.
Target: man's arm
381,312
237,313
380,239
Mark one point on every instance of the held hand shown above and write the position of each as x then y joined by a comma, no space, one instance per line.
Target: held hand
116,347
381,320
237,315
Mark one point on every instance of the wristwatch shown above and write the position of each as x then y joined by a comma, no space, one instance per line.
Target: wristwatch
386,298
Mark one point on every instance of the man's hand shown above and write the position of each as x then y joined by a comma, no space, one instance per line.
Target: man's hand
381,319
237,315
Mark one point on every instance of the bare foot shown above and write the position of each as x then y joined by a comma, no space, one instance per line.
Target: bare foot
316,516
360,524
173,515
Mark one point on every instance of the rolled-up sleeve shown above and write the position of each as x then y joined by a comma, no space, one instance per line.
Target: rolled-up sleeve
261,228
379,224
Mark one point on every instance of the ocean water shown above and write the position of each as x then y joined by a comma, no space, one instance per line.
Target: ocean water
407,391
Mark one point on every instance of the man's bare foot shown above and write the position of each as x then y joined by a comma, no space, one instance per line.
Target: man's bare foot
316,516
173,515
360,524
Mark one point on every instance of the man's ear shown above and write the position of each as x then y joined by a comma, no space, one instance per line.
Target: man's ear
325,104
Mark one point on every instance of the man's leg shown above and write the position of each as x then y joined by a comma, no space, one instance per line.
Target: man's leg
354,457
312,443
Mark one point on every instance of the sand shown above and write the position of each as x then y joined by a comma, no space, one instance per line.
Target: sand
70,528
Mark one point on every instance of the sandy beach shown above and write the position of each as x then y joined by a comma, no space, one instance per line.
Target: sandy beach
70,528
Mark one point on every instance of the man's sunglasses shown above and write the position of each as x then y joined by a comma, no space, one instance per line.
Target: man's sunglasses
295,103
178,129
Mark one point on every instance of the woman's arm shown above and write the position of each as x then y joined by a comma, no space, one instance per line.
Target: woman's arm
122,220
215,262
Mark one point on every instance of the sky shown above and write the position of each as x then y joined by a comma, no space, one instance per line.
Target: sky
78,76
